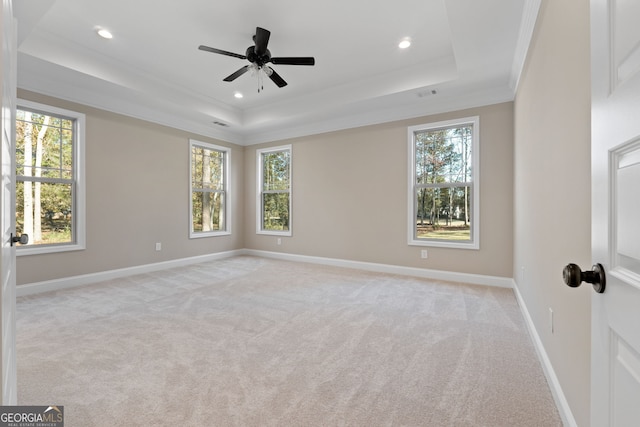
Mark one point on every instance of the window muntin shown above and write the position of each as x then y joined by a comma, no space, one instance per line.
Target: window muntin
50,204
274,191
209,183
444,204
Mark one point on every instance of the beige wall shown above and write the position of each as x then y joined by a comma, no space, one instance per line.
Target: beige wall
552,191
350,197
137,194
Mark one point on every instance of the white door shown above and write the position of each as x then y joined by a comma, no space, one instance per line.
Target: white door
7,205
615,115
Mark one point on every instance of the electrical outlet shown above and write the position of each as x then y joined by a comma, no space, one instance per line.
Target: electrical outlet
424,254
279,240
551,319
158,247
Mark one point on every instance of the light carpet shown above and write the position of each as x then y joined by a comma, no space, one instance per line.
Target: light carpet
249,341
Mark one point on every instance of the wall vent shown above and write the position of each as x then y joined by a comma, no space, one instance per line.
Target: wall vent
424,93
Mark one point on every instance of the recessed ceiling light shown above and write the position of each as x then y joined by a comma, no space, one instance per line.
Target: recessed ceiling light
105,34
405,43
238,95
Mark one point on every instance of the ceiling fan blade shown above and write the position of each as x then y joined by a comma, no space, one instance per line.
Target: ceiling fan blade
221,52
275,77
262,40
237,74
287,60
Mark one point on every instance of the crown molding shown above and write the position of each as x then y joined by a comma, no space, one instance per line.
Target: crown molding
527,26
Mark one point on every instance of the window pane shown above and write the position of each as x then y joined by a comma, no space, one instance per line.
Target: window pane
48,155
49,212
67,150
66,124
275,208
43,148
275,170
208,213
55,122
443,213
52,173
213,172
443,155
196,167
207,169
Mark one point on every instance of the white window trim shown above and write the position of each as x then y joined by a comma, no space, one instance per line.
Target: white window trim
474,243
227,196
79,207
259,154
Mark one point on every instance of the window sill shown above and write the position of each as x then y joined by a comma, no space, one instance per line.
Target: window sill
274,233
44,249
444,244
209,234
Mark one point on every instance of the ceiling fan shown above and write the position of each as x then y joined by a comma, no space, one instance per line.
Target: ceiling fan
258,55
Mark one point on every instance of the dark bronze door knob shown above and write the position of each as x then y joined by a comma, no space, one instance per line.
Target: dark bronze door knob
23,239
573,277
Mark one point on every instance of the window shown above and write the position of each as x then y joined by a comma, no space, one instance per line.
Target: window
274,191
443,184
209,189
50,196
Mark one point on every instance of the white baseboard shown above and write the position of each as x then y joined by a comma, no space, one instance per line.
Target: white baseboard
556,390
476,279
86,279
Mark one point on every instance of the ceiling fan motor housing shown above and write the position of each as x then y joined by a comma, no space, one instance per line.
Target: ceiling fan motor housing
254,58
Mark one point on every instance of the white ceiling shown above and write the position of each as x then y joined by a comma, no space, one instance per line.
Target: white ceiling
469,52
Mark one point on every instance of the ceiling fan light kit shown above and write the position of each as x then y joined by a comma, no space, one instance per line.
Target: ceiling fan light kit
259,56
